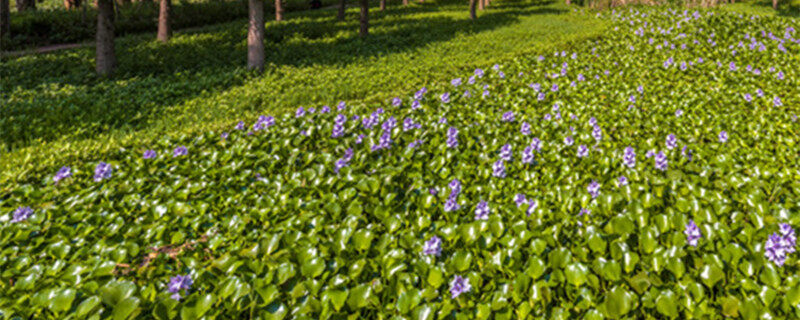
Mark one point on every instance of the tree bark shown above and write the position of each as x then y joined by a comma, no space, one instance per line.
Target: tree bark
106,60
5,20
405,2
278,11
72,4
364,31
23,5
775,4
568,2
472,5
164,29
383,5
480,5
255,36
340,15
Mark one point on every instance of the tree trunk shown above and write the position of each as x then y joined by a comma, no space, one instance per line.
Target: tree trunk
164,29
72,4
405,2
23,5
278,11
383,5
5,20
340,15
480,5
106,60
255,36
569,2
472,5
775,4
364,18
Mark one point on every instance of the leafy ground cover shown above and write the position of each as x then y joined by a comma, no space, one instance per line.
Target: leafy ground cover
650,173
57,112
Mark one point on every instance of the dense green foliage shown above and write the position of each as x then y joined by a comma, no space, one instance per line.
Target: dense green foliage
58,111
266,227
43,27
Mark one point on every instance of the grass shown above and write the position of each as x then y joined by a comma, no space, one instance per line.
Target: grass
59,113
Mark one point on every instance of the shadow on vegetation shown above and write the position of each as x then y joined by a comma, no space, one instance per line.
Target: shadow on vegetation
63,98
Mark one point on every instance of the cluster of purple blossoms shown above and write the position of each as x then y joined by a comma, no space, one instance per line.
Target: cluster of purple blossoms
505,152
408,124
341,106
584,212
445,97
777,101
629,158
397,101
519,199
414,144
264,122
508,116
149,154
479,73
415,105
389,124
692,233
63,173
672,142
452,200
622,181
21,214
180,151
359,139
593,121
338,126
452,137
178,283
459,286
661,161
532,205
583,151
343,161
239,126
499,169
384,142
525,129
325,109
420,93
102,171
780,245
300,112
678,112
456,82
594,189
568,141
597,133
224,135
482,211
370,121
527,155
536,144
723,136
432,246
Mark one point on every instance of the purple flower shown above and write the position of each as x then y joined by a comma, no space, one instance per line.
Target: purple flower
397,102
482,211
452,137
445,97
499,169
432,246
325,109
779,246
723,136
622,181
21,214
780,75
415,105
593,121
343,161
541,96
508,116
240,125
63,173
777,101
102,171
338,131
414,144
451,204
661,161
341,106
678,112
384,142
501,74
455,187
443,120
224,135
527,155
568,141
525,128
672,142
389,124
597,133
178,283
180,151
535,86
748,97
421,93
629,158
300,112
594,189
456,82
408,124
479,73
532,204
505,152
519,199
584,211
536,144
583,151
311,110
692,233
467,94
759,93
459,286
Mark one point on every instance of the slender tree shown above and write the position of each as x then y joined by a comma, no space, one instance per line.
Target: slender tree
472,5
23,5
405,2
383,5
775,4
164,28
364,18
480,5
278,10
568,2
255,36
72,4
106,60
342,4
5,20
